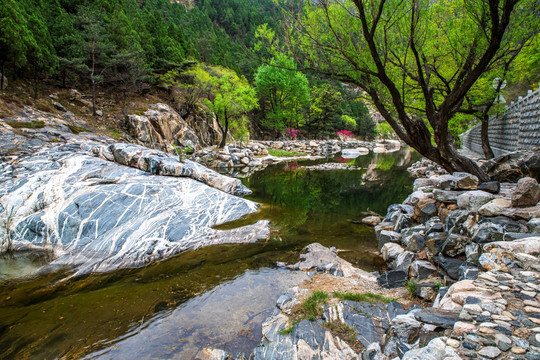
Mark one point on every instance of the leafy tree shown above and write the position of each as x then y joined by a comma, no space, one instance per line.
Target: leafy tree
348,122
416,60
384,130
325,110
232,97
285,91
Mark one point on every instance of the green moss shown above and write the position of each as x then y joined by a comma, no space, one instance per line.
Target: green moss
76,129
116,135
283,153
367,297
34,124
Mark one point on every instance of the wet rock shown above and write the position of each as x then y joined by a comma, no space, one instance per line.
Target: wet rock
392,279
371,220
473,200
465,181
422,269
450,265
442,318
492,187
527,193
388,236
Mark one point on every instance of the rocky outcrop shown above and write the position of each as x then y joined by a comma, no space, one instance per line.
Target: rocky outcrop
161,127
125,207
514,166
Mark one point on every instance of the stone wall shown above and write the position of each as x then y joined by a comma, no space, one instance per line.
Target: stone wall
517,129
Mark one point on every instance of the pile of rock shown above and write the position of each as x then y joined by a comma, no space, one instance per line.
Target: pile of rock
425,168
331,147
248,155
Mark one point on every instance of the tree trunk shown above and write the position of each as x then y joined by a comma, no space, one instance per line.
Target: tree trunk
64,78
486,147
224,132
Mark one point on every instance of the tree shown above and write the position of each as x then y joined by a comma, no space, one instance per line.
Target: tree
232,97
325,110
417,60
285,90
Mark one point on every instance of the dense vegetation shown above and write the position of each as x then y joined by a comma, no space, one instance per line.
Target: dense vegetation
426,66
131,46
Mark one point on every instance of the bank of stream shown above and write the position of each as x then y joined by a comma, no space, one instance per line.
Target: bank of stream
212,297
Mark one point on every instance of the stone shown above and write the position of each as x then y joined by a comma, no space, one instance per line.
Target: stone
446,196
465,181
527,193
414,243
490,352
434,227
422,269
371,220
462,328
455,245
488,232
450,265
454,221
434,350
435,242
494,207
388,236
414,198
473,200
503,342
425,209
392,279
529,246
390,251
403,261
534,225
372,352
468,272
59,107
492,187
513,166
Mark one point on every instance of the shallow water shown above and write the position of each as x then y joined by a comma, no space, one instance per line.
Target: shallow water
215,296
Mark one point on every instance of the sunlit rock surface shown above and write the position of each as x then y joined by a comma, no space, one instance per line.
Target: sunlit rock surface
98,215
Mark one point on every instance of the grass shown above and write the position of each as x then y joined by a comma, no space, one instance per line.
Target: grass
346,333
283,153
365,297
116,135
312,307
411,287
34,124
76,129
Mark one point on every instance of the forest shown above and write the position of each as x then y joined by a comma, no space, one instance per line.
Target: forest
287,68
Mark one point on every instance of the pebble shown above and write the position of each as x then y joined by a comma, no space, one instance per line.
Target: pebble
453,343
490,352
518,350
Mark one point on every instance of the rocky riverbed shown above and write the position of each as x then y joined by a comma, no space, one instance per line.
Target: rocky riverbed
463,279
99,205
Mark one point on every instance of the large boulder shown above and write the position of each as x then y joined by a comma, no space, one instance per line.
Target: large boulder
495,207
527,193
465,181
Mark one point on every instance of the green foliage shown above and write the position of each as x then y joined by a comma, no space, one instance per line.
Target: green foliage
283,153
34,124
312,307
284,93
349,122
410,285
365,297
385,131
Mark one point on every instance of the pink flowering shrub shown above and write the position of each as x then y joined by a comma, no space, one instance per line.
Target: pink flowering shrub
344,134
291,133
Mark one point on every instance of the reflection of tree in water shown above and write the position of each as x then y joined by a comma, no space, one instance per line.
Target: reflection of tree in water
324,197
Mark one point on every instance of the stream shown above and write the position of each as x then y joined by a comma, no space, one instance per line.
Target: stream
216,296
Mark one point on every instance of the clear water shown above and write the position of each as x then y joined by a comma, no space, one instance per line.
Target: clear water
212,297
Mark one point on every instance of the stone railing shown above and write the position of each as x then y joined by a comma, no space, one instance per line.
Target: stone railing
517,129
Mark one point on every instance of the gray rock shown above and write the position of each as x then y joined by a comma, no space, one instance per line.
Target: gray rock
390,251
392,279
103,216
434,350
403,261
455,245
422,269
492,187
473,200
388,236
472,253
527,193
490,352
455,220
514,166
468,272
59,106
534,225
465,181
450,265
442,318
402,335
414,243
446,196
488,232
435,242
373,352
